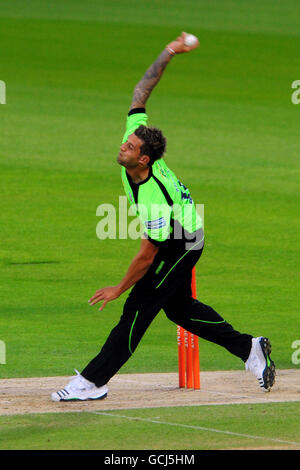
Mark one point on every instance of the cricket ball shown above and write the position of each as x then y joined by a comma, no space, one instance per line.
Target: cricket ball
190,40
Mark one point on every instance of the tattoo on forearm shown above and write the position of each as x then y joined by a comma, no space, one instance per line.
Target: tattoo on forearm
152,76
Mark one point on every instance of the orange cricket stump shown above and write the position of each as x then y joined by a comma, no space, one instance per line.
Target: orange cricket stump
196,364
181,356
189,359
196,360
188,352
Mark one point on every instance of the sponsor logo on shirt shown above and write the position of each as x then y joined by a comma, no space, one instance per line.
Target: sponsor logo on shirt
155,224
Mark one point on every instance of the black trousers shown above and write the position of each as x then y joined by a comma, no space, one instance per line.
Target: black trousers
167,286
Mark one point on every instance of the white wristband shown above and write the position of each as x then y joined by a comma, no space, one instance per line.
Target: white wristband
170,50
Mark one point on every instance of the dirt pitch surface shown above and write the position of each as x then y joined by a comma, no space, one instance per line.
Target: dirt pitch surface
129,391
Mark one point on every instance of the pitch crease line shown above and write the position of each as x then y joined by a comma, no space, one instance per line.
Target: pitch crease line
190,426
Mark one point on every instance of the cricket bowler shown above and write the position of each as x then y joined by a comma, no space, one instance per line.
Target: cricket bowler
159,276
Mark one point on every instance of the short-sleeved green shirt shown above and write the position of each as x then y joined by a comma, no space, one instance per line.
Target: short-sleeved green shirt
162,203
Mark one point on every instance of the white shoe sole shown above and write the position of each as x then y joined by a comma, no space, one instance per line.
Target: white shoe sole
61,395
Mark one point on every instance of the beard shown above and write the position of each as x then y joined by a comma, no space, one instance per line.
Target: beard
126,162
120,159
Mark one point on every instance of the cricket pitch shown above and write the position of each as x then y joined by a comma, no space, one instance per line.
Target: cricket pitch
129,391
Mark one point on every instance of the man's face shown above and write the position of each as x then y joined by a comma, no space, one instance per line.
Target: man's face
130,152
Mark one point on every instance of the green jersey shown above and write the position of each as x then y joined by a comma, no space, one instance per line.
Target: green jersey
162,203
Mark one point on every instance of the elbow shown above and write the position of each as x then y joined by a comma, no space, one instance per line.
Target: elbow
147,259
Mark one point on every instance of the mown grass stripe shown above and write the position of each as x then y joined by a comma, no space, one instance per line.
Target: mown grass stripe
198,428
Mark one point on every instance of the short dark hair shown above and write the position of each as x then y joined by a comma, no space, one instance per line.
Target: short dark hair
154,142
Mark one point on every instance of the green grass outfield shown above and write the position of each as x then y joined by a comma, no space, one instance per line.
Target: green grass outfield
233,138
188,428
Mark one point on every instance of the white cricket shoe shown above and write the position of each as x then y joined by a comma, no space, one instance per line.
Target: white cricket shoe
80,389
260,363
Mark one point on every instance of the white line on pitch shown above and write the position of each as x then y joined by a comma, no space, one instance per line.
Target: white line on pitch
190,426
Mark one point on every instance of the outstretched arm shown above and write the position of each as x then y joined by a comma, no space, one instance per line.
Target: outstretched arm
137,269
152,76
